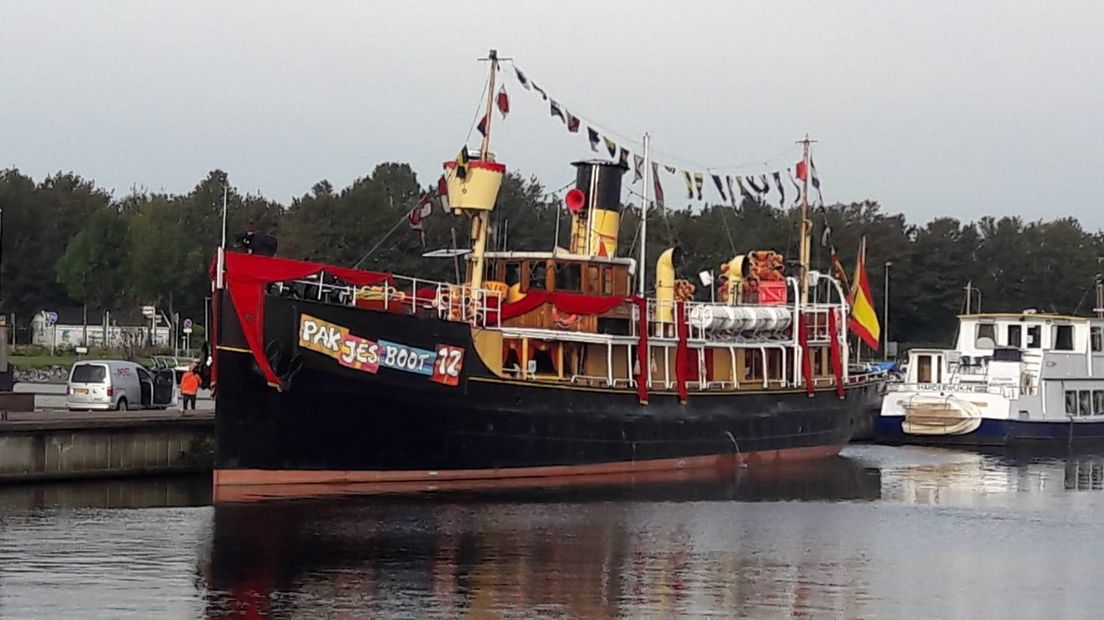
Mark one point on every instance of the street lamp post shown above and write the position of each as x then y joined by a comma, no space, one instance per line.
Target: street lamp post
885,312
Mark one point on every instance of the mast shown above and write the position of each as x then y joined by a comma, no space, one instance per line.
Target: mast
481,218
806,225
642,267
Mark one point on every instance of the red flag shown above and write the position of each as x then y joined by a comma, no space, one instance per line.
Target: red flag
503,102
572,123
442,193
482,127
800,170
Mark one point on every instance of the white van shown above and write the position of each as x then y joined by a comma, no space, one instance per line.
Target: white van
115,384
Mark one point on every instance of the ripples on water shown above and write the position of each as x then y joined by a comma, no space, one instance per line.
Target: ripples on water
880,532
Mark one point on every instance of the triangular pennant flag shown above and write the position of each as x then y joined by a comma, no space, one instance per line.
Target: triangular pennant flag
524,81
720,188
658,188
765,182
594,138
540,90
503,101
781,190
572,123
623,157
671,169
602,249
699,179
482,126
611,146
743,188
731,191
797,186
638,168
689,185
556,110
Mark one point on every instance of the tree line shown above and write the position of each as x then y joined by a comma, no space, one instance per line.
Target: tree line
66,241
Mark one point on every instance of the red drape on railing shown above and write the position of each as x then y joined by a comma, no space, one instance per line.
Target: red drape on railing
642,350
570,303
246,277
806,361
834,347
681,350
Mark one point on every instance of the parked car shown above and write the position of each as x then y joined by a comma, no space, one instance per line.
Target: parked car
115,384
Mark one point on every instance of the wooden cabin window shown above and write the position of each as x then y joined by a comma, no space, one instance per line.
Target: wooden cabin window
568,277
538,274
544,354
1063,337
607,281
1015,334
753,365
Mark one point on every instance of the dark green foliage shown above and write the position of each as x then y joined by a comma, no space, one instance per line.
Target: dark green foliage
66,241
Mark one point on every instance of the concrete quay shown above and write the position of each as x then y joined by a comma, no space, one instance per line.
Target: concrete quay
57,445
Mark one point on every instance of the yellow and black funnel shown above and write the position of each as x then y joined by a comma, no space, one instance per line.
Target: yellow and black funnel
596,213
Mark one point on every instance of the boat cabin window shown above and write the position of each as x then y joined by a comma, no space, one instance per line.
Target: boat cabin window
1015,333
538,271
929,369
1007,355
546,363
1098,401
1071,402
1063,337
1096,335
1034,337
1084,399
986,336
568,277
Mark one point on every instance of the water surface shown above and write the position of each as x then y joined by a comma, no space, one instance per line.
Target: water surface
878,532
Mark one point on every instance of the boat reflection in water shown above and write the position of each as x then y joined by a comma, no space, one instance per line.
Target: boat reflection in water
155,492
600,550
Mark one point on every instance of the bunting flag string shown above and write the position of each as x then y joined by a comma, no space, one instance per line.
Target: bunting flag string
730,188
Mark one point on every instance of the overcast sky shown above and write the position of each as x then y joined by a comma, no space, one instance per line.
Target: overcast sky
938,108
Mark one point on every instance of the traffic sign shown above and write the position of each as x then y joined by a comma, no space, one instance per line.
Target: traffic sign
52,318
187,323
149,311
187,330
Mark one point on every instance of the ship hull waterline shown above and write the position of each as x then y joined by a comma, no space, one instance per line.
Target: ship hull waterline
334,428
